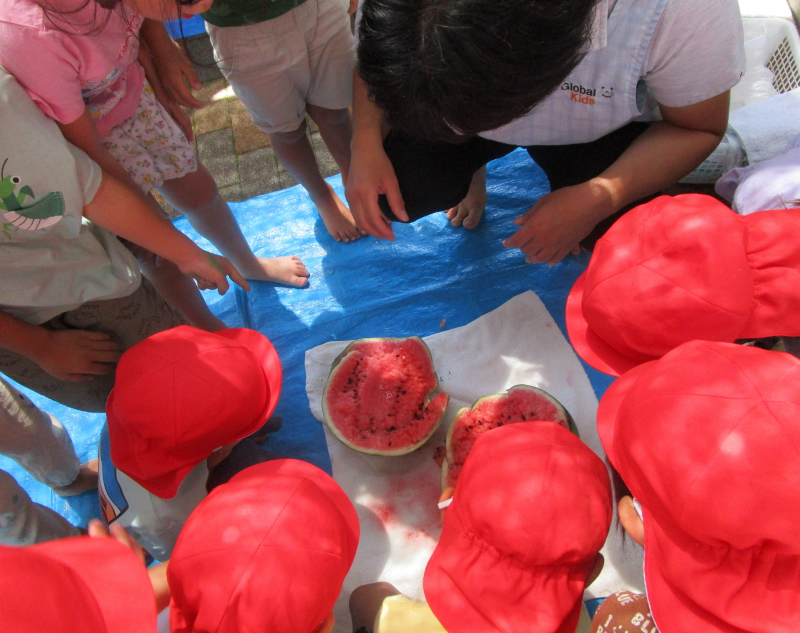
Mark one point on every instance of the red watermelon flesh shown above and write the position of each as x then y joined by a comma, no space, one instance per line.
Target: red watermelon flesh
378,396
521,404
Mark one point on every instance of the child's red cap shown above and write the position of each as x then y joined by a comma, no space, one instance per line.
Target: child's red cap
707,439
75,584
183,393
682,269
267,551
530,512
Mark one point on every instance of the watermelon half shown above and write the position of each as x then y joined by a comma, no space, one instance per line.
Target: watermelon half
378,396
521,404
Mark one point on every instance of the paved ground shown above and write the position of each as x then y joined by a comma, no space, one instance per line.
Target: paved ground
235,151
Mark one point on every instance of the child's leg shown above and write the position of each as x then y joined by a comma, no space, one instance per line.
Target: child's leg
294,151
35,440
278,66
196,195
336,129
179,291
23,522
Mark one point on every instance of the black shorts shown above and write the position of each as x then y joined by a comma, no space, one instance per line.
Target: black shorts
435,176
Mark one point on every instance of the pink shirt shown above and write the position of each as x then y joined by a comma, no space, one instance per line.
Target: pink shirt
65,64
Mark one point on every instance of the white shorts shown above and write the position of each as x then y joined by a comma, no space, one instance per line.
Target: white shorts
151,145
278,66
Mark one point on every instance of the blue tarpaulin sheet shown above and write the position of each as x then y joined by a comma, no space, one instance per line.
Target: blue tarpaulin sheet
431,274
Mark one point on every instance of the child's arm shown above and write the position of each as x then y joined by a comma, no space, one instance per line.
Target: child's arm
171,64
118,209
158,578
157,573
662,155
72,355
175,111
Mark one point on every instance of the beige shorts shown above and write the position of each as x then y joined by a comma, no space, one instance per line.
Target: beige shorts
278,66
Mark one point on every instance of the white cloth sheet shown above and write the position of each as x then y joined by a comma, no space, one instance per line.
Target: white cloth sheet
396,497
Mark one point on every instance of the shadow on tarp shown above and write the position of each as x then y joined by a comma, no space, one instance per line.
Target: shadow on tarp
432,277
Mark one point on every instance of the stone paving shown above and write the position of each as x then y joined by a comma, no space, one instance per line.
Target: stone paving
235,151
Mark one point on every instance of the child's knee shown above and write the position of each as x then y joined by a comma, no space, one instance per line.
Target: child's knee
326,116
289,138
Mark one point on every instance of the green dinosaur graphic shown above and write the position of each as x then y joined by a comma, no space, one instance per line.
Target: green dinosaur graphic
9,200
38,215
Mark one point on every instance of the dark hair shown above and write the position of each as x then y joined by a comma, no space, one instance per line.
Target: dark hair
441,69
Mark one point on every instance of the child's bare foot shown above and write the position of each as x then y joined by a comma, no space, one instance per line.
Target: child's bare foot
287,270
85,481
470,210
337,217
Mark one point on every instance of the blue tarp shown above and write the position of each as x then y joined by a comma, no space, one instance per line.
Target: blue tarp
186,28
431,274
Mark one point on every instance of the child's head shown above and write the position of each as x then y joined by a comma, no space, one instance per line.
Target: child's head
441,68
267,551
688,269
522,536
706,439
184,393
75,584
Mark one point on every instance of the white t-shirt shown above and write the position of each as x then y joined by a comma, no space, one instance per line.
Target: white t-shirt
154,522
697,52
53,259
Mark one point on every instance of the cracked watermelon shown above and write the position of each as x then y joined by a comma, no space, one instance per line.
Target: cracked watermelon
378,396
521,404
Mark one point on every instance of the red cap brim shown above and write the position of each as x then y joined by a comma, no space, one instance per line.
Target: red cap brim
588,345
610,403
115,576
470,588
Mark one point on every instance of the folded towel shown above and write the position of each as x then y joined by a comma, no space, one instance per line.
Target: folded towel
764,126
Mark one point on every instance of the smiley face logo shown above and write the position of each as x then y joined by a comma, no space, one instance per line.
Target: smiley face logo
607,92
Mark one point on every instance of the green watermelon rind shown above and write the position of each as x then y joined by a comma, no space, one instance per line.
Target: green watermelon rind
429,396
449,439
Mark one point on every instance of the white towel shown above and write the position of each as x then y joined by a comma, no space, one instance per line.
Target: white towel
765,127
396,497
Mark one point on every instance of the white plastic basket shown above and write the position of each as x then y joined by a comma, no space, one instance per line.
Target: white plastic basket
784,63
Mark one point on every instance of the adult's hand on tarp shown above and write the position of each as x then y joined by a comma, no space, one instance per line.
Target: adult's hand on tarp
372,174
553,227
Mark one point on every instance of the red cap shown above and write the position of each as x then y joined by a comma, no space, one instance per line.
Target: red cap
707,440
268,551
530,512
183,393
76,584
681,269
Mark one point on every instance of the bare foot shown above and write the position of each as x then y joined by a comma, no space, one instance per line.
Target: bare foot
470,210
287,270
337,217
85,481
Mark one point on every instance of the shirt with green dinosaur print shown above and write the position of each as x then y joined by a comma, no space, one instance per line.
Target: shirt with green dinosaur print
53,259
